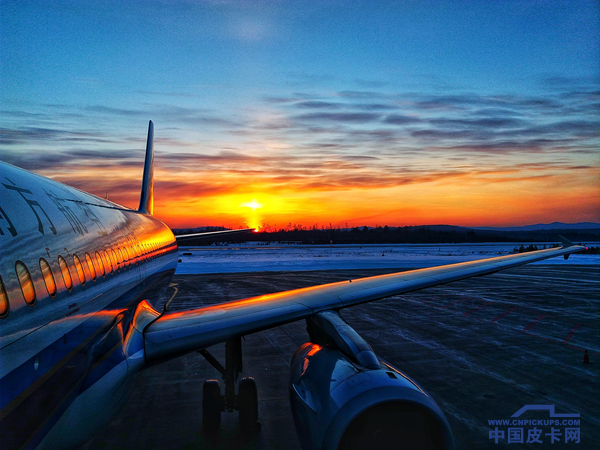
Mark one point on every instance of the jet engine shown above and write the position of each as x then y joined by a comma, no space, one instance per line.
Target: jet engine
343,397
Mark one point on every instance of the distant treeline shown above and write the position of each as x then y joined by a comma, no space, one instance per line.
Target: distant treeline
435,234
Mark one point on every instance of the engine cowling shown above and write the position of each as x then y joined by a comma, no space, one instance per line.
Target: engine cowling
339,404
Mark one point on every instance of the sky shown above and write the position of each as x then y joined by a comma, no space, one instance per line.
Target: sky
341,113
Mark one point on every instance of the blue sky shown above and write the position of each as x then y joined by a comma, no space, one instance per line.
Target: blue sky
301,104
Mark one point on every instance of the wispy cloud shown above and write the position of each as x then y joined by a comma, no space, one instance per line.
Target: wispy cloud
305,142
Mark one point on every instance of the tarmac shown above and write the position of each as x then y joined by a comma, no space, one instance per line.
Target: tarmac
483,348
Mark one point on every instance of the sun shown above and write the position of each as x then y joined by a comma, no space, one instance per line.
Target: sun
253,217
254,205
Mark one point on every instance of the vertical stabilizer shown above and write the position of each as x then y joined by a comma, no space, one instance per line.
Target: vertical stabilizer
147,197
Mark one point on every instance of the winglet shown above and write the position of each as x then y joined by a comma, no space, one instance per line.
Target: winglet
565,242
147,197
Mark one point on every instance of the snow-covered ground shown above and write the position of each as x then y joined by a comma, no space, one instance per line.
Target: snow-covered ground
273,258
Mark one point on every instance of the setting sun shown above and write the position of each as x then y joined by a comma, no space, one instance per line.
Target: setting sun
253,219
254,205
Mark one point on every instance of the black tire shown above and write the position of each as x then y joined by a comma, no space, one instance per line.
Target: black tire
211,405
248,404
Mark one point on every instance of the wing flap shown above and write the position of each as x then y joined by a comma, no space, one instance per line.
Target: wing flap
196,329
180,332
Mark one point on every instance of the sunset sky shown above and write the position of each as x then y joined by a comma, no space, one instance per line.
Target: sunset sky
467,113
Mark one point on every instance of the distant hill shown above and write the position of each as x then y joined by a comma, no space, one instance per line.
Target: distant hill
546,226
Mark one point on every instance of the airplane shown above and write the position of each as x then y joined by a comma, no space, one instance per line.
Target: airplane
80,282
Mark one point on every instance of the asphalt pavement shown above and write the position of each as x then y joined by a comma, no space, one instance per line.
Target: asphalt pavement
482,348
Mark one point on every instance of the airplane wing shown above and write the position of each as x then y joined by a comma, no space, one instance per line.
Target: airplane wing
212,233
180,332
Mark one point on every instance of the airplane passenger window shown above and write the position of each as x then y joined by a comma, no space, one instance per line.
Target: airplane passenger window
26,283
120,258
124,257
79,268
4,306
127,252
64,268
48,277
90,264
115,259
107,261
133,253
100,264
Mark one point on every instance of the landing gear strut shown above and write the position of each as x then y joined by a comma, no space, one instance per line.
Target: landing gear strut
246,400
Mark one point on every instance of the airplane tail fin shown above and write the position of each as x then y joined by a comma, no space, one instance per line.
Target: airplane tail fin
147,197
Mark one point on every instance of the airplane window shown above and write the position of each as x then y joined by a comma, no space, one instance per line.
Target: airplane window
111,261
120,256
4,306
100,263
48,277
124,257
64,268
107,261
26,283
90,264
79,268
133,253
127,251
131,245
115,259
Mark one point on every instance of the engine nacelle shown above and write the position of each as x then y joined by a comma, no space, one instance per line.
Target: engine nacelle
339,404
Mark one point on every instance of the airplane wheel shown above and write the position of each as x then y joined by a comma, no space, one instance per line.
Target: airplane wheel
248,404
211,405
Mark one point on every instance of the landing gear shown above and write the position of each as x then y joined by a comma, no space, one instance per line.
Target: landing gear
212,405
247,403
246,400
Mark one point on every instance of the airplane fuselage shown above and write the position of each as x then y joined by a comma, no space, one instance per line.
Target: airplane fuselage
75,272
